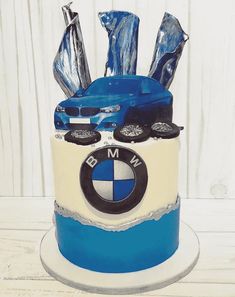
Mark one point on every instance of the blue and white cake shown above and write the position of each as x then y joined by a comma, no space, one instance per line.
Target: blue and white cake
115,152
117,205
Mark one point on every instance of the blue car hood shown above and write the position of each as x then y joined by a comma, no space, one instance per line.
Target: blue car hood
97,101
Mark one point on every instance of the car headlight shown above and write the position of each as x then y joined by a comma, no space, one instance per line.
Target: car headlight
59,108
112,108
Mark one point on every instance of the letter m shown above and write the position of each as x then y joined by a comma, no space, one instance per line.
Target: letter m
113,154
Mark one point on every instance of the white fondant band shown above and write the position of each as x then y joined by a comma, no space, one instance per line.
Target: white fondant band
160,157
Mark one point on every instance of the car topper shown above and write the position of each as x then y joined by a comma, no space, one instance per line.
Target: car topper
112,101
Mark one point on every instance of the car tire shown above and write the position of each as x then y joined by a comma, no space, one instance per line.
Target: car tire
132,132
165,130
82,136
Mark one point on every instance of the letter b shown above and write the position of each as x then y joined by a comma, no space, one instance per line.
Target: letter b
91,161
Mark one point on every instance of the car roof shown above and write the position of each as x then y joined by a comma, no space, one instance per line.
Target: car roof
125,77
139,78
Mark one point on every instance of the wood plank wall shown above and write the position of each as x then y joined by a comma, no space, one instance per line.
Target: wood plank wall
203,88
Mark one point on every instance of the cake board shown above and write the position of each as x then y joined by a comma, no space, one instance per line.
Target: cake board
164,274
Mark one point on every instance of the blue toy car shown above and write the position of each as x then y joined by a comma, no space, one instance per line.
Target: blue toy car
112,101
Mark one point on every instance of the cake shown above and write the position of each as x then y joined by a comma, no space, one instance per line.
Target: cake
116,207
115,152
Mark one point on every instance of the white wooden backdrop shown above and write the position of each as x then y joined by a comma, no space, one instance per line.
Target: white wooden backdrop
204,87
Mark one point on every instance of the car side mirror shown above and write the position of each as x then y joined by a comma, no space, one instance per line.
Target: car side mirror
79,92
145,91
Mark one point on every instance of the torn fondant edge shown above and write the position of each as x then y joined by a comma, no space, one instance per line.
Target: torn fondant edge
154,215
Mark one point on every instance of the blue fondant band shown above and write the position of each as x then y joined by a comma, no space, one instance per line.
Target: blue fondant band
139,247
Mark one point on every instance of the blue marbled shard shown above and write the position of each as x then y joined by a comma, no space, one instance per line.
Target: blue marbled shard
122,28
168,49
70,65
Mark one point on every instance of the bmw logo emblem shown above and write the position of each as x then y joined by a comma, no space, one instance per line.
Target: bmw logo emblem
113,179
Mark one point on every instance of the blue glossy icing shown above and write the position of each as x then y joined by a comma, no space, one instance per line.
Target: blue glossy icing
139,247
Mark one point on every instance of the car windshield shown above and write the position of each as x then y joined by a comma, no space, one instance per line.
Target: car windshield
113,87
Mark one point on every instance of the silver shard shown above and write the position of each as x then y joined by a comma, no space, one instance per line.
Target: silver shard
68,13
168,49
70,65
122,28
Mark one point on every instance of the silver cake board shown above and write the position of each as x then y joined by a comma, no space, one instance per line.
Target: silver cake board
164,274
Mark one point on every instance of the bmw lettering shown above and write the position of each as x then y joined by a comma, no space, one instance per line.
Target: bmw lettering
113,179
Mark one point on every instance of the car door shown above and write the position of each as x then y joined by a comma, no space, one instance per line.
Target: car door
154,102
145,104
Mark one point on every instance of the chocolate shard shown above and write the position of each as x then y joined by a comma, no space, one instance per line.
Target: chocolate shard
168,49
122,28
70,65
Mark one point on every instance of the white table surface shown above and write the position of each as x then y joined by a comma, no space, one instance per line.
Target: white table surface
23,222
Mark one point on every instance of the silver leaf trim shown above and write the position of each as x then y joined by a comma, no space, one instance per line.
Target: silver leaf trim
154,215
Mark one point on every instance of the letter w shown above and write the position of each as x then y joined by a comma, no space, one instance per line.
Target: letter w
135,161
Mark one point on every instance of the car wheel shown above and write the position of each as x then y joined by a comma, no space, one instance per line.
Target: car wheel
165,130
132,133
82,136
